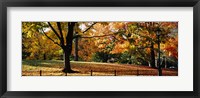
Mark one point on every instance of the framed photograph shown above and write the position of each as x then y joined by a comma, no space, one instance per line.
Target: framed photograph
79,49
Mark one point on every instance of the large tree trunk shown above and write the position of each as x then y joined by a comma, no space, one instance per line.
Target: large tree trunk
67,66
152,56
68,48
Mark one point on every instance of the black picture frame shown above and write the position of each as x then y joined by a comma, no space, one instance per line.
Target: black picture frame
99,3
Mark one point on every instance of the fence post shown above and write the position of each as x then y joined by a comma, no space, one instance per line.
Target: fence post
137,72
91,72
115,73
40,72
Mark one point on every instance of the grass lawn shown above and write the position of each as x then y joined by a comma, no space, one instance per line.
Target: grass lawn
54,67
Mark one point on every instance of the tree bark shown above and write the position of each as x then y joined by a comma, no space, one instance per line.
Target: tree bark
152,56
67,66
68,48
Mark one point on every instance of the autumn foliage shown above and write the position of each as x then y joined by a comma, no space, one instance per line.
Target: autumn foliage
117,42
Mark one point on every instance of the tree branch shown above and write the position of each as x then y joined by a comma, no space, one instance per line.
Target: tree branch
89,27
97,36
54,30
60,29
51,38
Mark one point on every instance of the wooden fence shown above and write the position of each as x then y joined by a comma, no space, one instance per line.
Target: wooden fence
97,73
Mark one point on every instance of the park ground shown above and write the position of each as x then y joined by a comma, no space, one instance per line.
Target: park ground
54,68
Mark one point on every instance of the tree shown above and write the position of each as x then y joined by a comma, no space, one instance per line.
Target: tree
37,46
63,35
96,39
145,32
140,39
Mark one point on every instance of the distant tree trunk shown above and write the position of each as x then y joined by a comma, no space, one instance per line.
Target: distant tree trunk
68,48
44,56
152,56
129,62
76,48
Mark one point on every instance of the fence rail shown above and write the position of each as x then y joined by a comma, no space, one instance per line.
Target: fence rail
94,73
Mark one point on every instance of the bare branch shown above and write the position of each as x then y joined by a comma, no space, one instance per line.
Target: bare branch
60,29
89,27
54,30
51,38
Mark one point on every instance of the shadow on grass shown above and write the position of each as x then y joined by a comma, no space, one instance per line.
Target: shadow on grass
43,63
73,71
70,71
47,63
